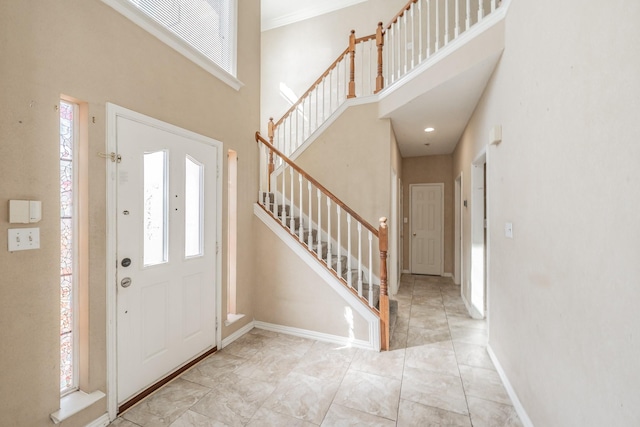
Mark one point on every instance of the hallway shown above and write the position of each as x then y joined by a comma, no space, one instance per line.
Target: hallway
437,373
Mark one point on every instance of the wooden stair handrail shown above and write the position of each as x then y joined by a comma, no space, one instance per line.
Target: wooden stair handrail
399,15
333,65
312,180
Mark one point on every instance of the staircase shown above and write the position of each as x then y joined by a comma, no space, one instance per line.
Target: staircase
338,238
340,265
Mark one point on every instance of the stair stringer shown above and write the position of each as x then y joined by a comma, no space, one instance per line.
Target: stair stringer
373,321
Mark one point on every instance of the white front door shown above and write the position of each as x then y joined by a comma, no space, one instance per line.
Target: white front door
166,220
426,229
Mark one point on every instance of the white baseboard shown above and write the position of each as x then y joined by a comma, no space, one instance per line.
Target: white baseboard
524,418
313,335
237,334
472,311
103,421
406,272
447,274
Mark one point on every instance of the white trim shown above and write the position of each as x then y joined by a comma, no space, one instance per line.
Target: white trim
313,335
406,272
318,8
113,111
522,413
103,421
441,185
128,10
73,403
331,280
237,334
447,275
473,312
486,24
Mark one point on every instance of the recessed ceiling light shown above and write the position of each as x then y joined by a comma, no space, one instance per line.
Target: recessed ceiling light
429,129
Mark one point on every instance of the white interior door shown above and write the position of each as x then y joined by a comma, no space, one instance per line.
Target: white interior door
426,229
166,251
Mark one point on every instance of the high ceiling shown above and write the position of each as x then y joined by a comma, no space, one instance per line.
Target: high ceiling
442,93
276,13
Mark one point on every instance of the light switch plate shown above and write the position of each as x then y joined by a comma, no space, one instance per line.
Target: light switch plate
508,230
22,239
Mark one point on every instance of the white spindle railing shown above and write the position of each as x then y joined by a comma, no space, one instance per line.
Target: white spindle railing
293,202
438,24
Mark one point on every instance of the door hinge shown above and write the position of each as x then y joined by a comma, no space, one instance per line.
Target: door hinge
117,158
217,248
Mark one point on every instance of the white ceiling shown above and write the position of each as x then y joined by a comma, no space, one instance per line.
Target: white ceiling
276,13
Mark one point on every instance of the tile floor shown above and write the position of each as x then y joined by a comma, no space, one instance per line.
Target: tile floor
437,373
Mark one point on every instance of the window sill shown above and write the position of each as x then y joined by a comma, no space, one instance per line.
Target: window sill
73,403
232,318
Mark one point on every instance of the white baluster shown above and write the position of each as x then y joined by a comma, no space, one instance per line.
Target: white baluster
413,36
437,46
370,269
494,5
468,21
300,211
480,10
261,171
406,40
399,49
457,30
310,235
283,203
428,28
420,31
359,264
446,21
292,224
349,280
319,227
329,232
392,57
339,270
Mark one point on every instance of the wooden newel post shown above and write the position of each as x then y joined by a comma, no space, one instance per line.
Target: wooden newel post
380,44
352,65
383,240
271,164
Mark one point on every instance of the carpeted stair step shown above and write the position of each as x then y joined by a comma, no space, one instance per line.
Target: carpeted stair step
268,196
343,262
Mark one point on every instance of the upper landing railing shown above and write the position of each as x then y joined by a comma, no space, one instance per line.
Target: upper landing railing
371,63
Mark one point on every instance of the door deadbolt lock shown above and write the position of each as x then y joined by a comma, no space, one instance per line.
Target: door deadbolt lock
126,262
126,282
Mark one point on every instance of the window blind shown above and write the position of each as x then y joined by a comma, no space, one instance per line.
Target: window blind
206,25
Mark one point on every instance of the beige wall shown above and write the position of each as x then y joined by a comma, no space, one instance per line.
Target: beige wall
84,49
429,170
292,294
298,54
563,293
351,159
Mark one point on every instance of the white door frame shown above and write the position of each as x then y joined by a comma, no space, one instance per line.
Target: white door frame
479,259
458,230
441,185
393,236
114,111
